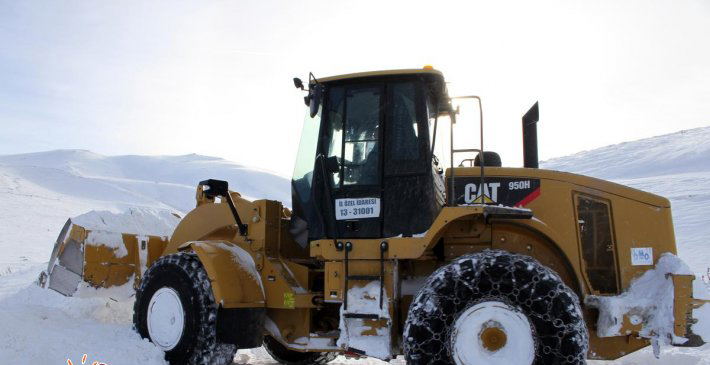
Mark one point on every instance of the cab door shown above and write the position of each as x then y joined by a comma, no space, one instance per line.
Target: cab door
354,135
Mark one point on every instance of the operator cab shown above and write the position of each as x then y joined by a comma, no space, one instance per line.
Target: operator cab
365,167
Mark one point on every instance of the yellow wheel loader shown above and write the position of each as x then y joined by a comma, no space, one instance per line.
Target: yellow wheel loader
383,253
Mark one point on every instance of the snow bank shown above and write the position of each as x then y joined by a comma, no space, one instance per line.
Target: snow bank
649,300
44,327
115,293
146,221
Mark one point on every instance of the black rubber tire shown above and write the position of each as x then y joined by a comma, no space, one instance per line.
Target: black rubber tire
184,273
552,308
289,357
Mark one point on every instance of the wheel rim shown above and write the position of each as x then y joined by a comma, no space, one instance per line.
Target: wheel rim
492,333
166,318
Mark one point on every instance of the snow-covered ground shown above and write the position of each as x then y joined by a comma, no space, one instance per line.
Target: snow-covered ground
39,191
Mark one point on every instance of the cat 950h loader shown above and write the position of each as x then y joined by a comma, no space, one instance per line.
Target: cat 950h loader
384,253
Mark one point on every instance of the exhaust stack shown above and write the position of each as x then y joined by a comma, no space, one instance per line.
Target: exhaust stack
530,120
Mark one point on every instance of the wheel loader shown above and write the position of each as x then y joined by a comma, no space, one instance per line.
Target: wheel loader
385,251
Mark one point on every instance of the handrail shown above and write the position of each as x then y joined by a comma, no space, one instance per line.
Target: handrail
453,113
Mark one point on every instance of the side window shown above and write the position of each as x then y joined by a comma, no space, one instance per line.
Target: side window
335,128
403,128
362,123
597,240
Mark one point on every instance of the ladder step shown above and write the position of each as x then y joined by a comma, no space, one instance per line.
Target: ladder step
364,277
328,334
362,315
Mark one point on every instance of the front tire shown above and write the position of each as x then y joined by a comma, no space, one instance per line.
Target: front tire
495,307
175,309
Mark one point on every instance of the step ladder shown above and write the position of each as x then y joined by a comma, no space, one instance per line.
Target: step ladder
347,247
355,322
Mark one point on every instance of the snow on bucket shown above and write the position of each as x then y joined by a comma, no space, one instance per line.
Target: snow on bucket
103,249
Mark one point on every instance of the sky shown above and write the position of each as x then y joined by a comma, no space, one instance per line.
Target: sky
215,77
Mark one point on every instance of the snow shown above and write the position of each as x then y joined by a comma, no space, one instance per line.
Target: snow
113,240
649,299
44,327
116,293
366,300
38,191
152,222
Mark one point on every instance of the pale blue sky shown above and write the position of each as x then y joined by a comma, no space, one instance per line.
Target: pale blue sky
214,77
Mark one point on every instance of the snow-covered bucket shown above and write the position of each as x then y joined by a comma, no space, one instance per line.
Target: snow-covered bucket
104,249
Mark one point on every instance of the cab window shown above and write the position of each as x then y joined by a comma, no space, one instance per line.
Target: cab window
597,241
354,134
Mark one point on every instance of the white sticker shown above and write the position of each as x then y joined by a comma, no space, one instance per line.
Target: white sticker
357,208
641,256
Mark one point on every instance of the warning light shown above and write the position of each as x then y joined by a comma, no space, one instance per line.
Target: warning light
428,67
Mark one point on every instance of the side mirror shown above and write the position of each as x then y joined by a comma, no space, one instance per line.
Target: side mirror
314,98
298,83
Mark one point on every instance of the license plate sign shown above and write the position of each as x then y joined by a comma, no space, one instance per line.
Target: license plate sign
357,208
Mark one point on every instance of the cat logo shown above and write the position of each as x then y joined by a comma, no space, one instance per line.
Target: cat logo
488,194
508,191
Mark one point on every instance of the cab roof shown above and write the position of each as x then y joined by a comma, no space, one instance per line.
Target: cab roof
413,71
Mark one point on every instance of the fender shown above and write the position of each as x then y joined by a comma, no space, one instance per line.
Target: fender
236,283
206,219
519,233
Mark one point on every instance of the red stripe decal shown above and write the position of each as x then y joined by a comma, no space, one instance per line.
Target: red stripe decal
532,196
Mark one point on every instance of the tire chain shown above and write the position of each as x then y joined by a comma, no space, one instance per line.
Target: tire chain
214,352
553,308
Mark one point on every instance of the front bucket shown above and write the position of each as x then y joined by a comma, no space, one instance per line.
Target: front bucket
98,258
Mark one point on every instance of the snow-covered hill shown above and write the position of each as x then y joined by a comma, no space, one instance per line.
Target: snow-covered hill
122,181
39,191
683,152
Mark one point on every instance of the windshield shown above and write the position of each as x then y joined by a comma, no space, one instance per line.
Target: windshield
303,171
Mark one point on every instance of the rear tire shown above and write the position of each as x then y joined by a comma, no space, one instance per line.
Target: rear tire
175,309
289,357
495,307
